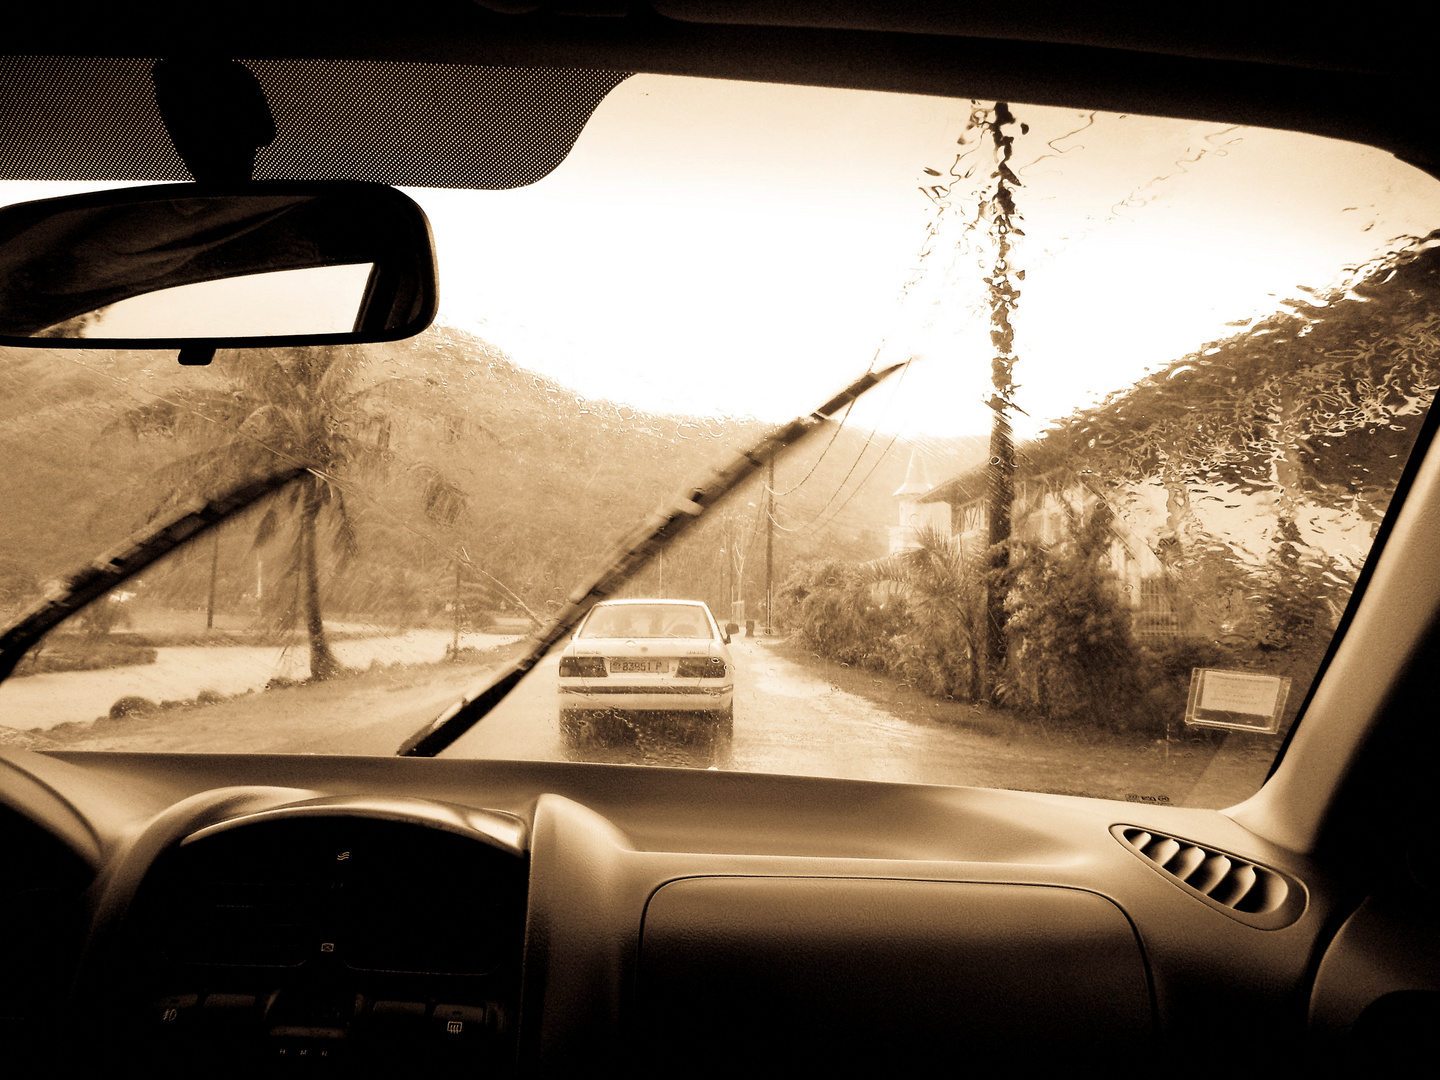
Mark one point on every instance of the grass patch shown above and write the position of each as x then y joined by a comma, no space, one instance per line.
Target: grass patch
362,711
85,654
124,648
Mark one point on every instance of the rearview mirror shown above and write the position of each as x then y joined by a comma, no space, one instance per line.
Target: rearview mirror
269,263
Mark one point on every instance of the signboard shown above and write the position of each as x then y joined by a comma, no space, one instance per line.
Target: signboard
1238,700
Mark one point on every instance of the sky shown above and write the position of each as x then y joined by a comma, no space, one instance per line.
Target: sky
726,248
741,249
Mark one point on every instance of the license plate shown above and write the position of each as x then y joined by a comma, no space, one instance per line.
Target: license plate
646,667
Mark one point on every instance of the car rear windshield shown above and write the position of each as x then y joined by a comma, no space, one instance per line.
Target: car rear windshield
646,621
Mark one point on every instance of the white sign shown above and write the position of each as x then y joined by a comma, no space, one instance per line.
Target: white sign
1236,699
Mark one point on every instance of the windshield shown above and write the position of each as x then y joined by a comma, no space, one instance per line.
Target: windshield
1095,537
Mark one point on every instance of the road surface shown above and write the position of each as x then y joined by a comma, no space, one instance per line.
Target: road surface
789,719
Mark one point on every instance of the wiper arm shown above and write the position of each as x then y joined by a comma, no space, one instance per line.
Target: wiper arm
128,559
658,531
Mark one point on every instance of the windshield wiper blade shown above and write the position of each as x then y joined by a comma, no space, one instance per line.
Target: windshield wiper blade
129,558
633,553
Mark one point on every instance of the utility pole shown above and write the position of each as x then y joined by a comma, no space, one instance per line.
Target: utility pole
727,539
769,540
214,572
738,548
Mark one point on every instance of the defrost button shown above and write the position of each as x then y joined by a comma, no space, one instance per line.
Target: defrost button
464,1021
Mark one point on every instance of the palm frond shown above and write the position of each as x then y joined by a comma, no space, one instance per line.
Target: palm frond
340,366
346,542
261,376
943,586
272,425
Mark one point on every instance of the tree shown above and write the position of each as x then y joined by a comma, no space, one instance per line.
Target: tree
1308,415
1074,655
997,210
296,406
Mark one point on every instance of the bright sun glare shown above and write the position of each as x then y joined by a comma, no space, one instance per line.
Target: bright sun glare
722,248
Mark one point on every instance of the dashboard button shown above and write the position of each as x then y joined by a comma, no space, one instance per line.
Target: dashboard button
397,1019
460,1019
176,1011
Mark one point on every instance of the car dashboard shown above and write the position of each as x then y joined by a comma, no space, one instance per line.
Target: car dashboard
524,918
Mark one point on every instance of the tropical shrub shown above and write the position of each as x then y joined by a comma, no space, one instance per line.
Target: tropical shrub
943,589
102,616
1072,654
1167,672
131,705
831,608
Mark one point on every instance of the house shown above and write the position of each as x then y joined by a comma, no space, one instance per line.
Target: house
1044,509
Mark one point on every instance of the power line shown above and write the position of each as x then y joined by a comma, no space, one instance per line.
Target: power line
865,481
854,465
835,435
838,487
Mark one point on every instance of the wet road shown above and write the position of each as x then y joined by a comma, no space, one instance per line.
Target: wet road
789,719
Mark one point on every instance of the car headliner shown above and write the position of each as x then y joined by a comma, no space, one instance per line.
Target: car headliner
1281,67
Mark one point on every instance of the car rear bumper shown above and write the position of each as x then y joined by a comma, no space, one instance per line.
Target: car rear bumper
648,699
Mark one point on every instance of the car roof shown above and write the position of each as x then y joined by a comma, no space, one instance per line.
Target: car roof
633,600
1276,66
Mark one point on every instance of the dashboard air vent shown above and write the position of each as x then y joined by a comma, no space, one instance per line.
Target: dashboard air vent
1244,890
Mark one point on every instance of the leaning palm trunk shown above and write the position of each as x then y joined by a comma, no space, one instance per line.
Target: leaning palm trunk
323,664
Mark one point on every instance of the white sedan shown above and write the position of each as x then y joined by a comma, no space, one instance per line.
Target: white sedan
648,668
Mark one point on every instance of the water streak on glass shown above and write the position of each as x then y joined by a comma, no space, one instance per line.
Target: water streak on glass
1224,344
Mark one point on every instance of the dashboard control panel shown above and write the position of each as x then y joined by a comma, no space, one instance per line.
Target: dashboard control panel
352,944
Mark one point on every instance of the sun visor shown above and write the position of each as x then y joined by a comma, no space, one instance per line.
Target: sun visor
421,125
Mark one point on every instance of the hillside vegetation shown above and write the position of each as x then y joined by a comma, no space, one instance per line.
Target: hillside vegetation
448,473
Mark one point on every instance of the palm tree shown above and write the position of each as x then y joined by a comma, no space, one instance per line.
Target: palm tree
999,210
945,593
282,407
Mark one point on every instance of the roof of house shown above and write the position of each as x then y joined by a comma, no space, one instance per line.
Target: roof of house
916,482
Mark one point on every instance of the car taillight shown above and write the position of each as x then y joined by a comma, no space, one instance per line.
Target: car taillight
701,667
582,667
